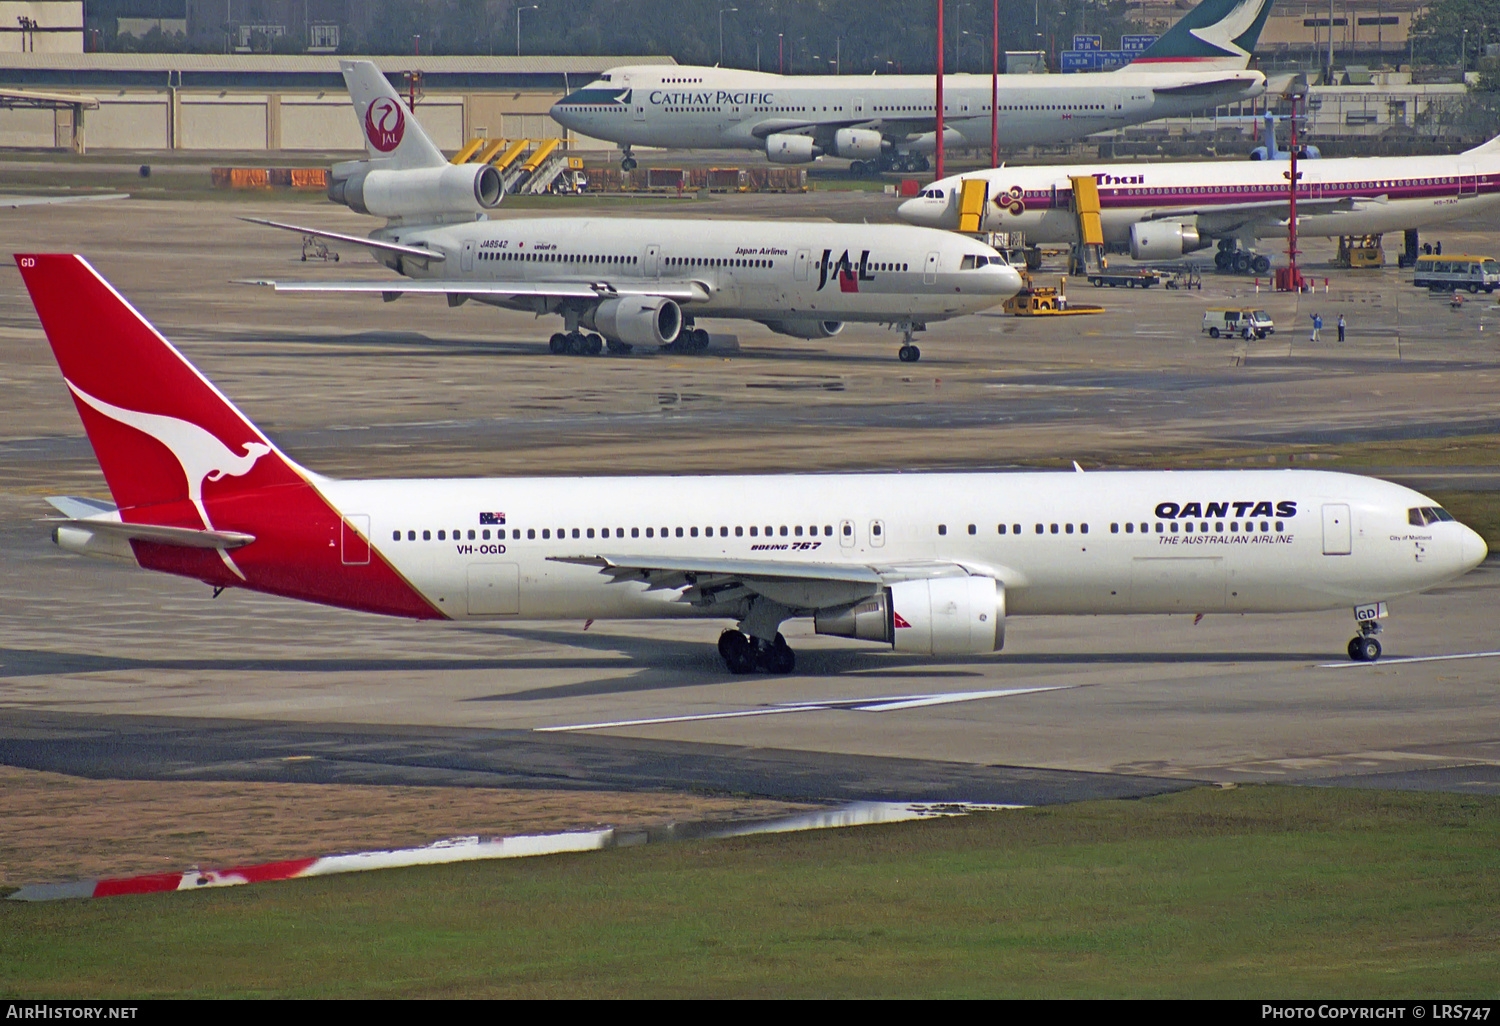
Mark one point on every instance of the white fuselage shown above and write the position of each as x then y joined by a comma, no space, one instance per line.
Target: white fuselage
1059,543
1239,198
714,108
758,270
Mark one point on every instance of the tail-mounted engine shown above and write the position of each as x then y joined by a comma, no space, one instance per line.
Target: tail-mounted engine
453,190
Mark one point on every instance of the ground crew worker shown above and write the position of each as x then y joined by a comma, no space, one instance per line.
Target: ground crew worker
1341,327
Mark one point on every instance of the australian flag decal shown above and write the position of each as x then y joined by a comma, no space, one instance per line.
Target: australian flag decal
491,518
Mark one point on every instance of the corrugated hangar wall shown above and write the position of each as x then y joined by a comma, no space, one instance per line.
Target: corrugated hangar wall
258,102
143,119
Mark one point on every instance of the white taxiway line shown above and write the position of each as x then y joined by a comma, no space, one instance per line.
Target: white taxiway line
890,704
1411,659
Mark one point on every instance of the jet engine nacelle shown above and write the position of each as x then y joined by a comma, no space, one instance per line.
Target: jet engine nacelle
1163,240
463,189
934,616
784,148
806,329
637,320
858,143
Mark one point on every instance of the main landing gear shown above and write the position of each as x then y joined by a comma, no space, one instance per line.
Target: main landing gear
744,654
909,353
688,340
576,343
1232,259
627,162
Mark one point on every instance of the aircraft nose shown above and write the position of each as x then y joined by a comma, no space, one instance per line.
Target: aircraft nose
1472,549
1008,281
916,211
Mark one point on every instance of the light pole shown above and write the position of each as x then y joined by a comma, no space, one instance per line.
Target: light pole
1463,53
723,11
533,7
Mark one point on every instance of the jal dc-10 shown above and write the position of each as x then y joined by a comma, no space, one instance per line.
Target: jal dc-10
888,122
623,282
923,563
1161,211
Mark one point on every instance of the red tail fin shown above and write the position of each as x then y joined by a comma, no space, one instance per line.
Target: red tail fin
163,433
177,453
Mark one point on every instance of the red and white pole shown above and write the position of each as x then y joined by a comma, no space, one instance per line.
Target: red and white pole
995,92
940,88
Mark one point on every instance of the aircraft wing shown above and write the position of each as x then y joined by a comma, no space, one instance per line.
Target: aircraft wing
1226,217
354,240
680,291
797,584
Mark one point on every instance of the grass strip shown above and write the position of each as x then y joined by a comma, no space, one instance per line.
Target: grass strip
1252,892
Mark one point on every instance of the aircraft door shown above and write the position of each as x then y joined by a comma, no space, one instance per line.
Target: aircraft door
930,269
1336,533
859,105
799,265
1468,183
354,541
494,589
466,260
650,261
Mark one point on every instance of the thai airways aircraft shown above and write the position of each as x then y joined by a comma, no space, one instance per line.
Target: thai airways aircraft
634,281
924,563
1161,211
889,122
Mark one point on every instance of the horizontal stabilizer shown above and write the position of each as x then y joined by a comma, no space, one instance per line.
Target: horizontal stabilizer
104,519
75,508
353,240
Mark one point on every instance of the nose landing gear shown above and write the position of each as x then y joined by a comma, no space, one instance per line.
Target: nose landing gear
1364,648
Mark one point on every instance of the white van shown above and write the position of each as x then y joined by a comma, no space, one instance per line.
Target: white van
1232,322
1451,273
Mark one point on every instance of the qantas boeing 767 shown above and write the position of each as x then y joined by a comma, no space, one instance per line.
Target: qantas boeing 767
635,281
924,563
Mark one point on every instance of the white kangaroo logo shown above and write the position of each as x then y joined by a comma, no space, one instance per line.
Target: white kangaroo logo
200,454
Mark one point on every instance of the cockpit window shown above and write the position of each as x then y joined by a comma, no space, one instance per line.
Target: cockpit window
932,193
971,262
1421,516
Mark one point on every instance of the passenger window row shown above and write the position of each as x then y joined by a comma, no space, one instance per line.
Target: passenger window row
717,262
1171,527
1016,529
770,531
554,258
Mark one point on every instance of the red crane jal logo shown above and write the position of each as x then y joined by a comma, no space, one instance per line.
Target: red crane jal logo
385,124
